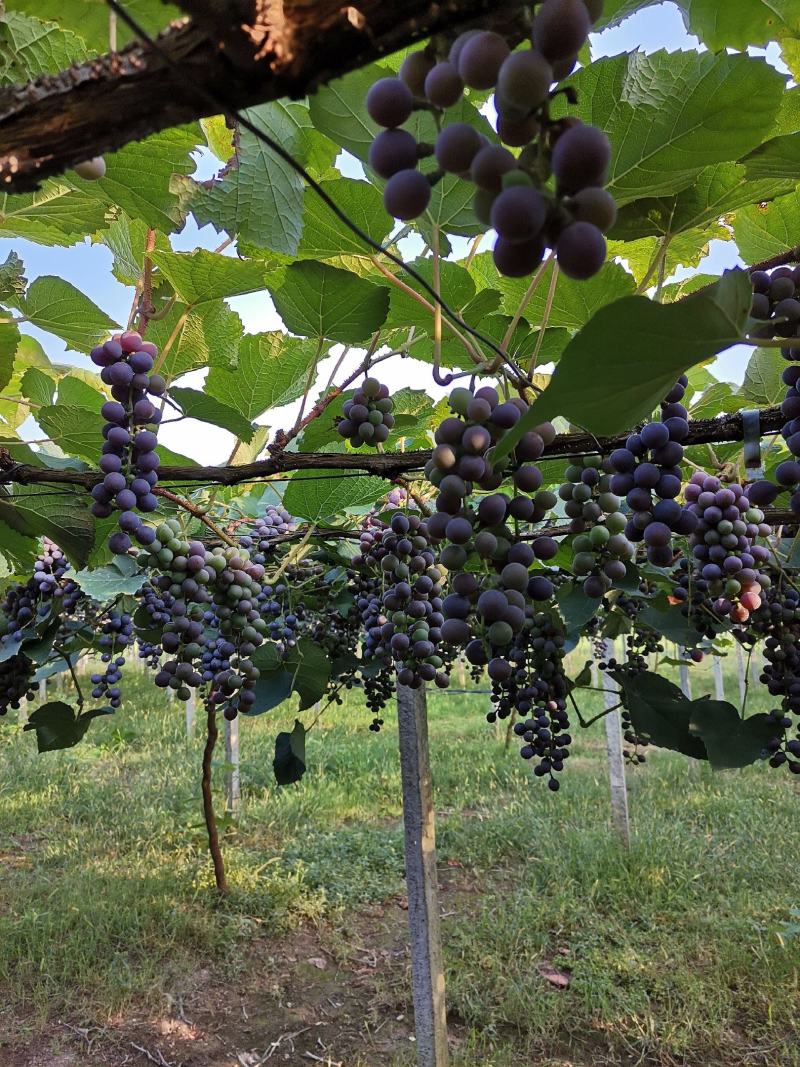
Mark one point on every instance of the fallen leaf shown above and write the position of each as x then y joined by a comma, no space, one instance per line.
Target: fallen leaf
560,979
318,962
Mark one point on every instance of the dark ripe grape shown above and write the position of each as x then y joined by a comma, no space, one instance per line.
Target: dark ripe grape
516,260
415,69
760,306
113,412
523,82
456,631
657,535
389,102
458,44
476,439
459,531
126,500
781,288
129,521
760,281
443,85
407,194
517,133
480,59
110,463
119,543
489,166
594,205
762,493
519,213
479,409
491,605
457,146
528,479
580,250
158,385
521,553
473,468
615,570
488,393
492,509
788,309
668,486
581,158
545,548
787,473
515,576
392,151
540,588
499,670
140,362
145,441
505,416
660,557
147,461
119,374
560,28
449,432
453,484
654,435
114,482
143,411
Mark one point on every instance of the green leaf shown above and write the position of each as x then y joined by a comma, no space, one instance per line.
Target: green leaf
201,275
729,740
739,23
210,333
57,214
666,620
207,408
323,494
57,725
765,230
74,389
338,110
57,306
642,347
274,685
144,178
272,371
126,238
29,47
762,379
325,236
289,763
90,17
317,300
576,608
107,583
9,345
75,430
261,200
660,711
777,158
311,669
13,282
716,191
670,114
38,386
574,302
61,515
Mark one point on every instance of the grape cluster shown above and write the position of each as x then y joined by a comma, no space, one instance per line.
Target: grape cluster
275,522
116,634
776,301
404,625
26,604
648,474
16,681
129,461
511,194
460,463
726,562
601,546
368,418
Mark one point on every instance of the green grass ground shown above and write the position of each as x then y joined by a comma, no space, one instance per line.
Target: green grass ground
679,951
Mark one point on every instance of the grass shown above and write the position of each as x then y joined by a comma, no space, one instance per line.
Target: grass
679,950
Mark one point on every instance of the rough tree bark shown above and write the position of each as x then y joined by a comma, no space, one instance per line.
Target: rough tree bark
230,56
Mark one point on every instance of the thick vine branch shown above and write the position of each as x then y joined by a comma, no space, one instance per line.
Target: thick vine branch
231,55
389,465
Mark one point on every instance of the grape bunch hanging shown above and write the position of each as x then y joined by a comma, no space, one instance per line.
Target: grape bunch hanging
368,418
129,461
513,193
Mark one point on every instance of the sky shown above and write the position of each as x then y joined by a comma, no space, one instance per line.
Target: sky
88,267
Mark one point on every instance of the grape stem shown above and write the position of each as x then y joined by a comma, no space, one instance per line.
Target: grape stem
212,733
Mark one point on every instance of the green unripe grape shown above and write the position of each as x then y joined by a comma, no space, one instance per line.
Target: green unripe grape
500,633
399,618
609,502
620,546
732,587
459,401
503,545
582,493
193,650
238,620
163,533
165,557
754,515
545,500
375,418
384,405
573,473
516,177
235,592
711,537
251,634
599,536
593,461
583,563
371,387
183,693
616,522
435,661
582,543
260,626
604,485
174,525
420,635
724,527
401,569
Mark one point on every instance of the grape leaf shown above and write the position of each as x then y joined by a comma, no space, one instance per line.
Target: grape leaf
57,306
289,764
208,408
200,276
763,384
90,17
38,386
642,348
61,514
325,236
111,581
670,114
57,214
29,47
210,333
272,371
765,230
323,494
13,282
776,158
317,300
74,429
57,725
